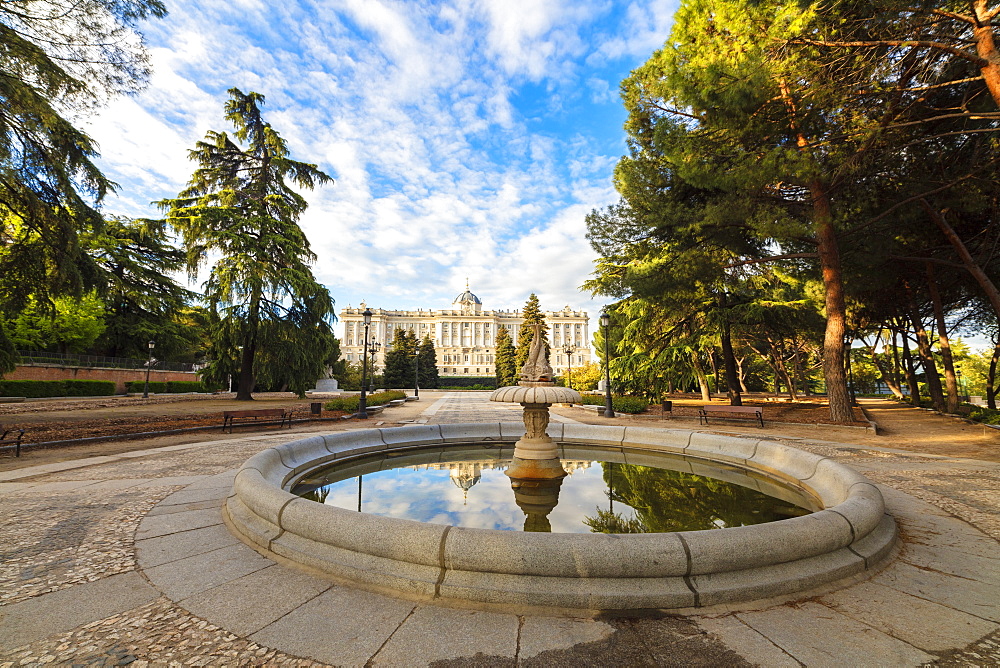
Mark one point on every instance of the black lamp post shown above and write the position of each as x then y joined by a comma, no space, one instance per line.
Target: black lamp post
362,407
149,367
569,349
848,341
609,411
416,373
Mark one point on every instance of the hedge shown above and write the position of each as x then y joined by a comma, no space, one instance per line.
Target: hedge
37,389
168,387
619,403
350,404
487,382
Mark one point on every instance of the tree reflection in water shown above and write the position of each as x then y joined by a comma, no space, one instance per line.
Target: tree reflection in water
666,501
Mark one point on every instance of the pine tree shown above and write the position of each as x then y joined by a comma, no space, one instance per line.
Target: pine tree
532,315
239,207
399,362
57,58
505,359
428,364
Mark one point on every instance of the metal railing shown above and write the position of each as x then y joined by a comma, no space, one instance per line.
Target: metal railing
38,358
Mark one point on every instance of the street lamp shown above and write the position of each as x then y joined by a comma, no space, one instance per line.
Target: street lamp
149,367
569,349
609,411
362,405
848,341
416,373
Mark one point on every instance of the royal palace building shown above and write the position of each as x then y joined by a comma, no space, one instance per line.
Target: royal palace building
464,335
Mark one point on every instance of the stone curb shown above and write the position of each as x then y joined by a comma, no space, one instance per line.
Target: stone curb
851,535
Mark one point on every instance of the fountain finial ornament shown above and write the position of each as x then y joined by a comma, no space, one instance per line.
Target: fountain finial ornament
535,454
536,369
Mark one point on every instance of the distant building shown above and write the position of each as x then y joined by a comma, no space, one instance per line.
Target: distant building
464,335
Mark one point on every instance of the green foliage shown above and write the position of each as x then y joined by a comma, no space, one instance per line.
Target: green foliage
585,377
467,382
35,389
350,404
400,369
429,377
621,404
532,315
985,415
57,60
168,387
89,388
270,312
67,325
155,386
142,301
505,359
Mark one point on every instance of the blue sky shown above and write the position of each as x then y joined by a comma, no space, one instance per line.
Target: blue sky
467,138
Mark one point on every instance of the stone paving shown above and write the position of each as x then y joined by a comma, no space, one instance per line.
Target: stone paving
125,560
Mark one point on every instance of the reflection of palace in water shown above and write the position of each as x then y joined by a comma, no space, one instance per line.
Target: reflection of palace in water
466,474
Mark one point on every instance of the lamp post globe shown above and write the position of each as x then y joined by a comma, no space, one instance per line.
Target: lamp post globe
149,367
609,410
362,403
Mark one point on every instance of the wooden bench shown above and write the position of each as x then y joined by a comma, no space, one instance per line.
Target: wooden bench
731,413
270,415
15,439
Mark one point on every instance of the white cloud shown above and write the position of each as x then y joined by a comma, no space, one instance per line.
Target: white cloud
446,165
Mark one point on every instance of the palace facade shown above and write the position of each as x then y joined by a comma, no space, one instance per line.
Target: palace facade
464,335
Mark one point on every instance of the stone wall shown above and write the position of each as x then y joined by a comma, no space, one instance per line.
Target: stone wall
119,376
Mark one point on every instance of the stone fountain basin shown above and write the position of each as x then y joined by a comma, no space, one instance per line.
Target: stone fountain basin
851,537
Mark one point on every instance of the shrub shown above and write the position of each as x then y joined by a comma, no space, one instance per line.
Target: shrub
985,415
350,404
89,388
185,386
619,403
32,389
468,382
138,386
37,389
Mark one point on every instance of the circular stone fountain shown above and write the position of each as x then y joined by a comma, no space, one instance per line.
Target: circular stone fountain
850,537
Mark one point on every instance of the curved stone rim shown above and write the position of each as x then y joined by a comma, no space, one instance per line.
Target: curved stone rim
850,536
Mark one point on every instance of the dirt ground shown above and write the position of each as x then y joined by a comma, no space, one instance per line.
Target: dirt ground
900,426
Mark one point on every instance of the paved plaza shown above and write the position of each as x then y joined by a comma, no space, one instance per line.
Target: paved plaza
126,560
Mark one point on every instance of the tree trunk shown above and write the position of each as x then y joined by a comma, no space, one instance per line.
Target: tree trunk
884,372
836,310
702,378
970,264
982,34
951,382
911,376
246,382
729,359
896,368
833,281
991,378
927,361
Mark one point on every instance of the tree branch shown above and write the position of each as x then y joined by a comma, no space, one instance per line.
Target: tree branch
939,46
789,256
